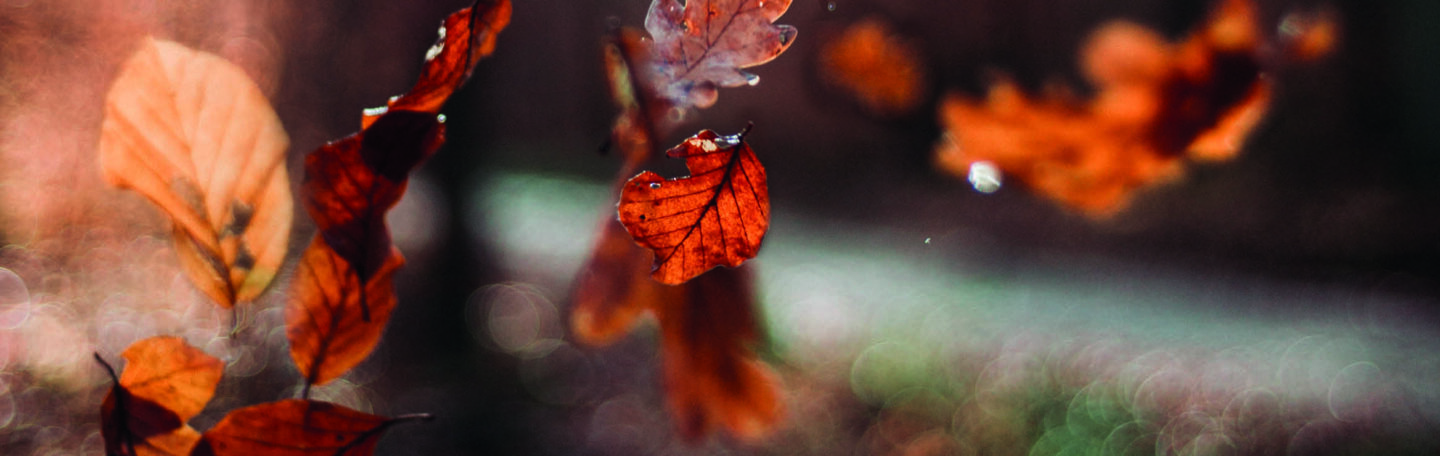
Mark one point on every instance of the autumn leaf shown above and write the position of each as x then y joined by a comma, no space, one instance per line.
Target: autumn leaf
1157,105
717,216
166,382
343,294
195,135
614,287
701,45
711,375
297,427
327,330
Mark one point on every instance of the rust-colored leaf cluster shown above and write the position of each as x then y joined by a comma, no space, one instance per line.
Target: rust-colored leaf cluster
191,132
342,295
1156,105
166,382
717,216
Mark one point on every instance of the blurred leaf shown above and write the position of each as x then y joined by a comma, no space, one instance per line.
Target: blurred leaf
876,66
717,216
193,133
165,383
1156,105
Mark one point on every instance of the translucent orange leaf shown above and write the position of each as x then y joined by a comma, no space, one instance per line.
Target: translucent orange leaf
717,216
703,44
711,375
1157,104
194,134
166,382
334,320
296,427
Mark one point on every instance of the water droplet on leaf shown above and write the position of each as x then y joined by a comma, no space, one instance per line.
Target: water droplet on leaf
654,185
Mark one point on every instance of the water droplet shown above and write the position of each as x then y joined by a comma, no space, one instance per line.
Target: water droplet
830,6
927,240
787,34
985,177
654,185
752,79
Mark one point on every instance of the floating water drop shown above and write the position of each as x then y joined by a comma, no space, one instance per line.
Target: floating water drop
830,6
985,177
751,79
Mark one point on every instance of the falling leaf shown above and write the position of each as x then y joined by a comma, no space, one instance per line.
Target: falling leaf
876,66
1156,105
717,216
165,383
195,135
466,36
296,427
702,45
343,294
328,331
711,373
614,288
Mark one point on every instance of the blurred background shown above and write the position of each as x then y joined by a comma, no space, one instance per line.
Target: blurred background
1283,302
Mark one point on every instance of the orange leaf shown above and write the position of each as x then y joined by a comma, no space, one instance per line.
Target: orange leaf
296,427
711,375
165,383
466,36
702,45
876,66
1157,104
194,134
614,288
334,320
716,216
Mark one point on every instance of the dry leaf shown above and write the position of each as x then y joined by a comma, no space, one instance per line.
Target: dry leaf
296,427
194,134
334,320
716,216
703,44
166,382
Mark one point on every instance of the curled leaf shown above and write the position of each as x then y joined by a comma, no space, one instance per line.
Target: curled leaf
166,382
1156,105
334,320
296,427
701,45
717,216
195,135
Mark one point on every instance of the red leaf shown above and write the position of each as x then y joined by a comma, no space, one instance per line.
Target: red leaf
165,383
716,216
466,36
343,295
711,373
614,288
703,44
334,320
296,427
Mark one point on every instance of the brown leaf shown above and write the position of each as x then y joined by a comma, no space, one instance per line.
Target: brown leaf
193,133
295,427
717,216
1157,104
166,382
329,332
614,287
702,45
711,374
